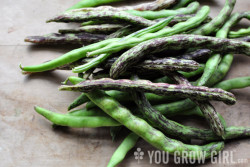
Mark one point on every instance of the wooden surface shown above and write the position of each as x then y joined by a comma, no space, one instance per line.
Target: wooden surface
27,139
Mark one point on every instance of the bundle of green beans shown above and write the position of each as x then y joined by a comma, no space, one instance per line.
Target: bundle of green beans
142,72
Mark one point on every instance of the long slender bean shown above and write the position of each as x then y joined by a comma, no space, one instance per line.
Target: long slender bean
127,144
218,21
122,17
54,38
67,58
147,132
199,93
76,121
240,33
135,54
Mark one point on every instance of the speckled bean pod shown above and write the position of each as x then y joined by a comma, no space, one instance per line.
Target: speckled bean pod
156,5
103,28
53,38
199,93
121,17
135,54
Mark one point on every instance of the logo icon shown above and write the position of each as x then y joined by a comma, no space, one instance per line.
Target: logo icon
138,154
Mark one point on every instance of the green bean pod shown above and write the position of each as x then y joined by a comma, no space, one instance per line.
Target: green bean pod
147,132
76,121
127,144
218,21
240,33
67,58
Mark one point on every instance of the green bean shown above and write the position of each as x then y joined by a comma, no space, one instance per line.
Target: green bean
210,68
235,83
182,3
76,121
151,15
86,112
135,54
218,21
193,73
147,132
126,30
151,29
156,5
127,144
74,80
240,33
198,93
93,63
69,57
103,28
178,28
90,3
221,71
53,38
78,101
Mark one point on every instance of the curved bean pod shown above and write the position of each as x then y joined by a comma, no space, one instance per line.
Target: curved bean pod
135,54
147,132
76,121
218,21
240,33
199,93
67,58
127,144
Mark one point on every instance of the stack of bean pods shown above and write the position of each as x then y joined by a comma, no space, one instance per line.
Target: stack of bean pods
160,55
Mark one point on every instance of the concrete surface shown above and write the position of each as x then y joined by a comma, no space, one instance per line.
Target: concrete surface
27,139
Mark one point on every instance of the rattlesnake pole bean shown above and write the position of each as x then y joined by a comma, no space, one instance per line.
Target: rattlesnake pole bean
135,54
199,93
